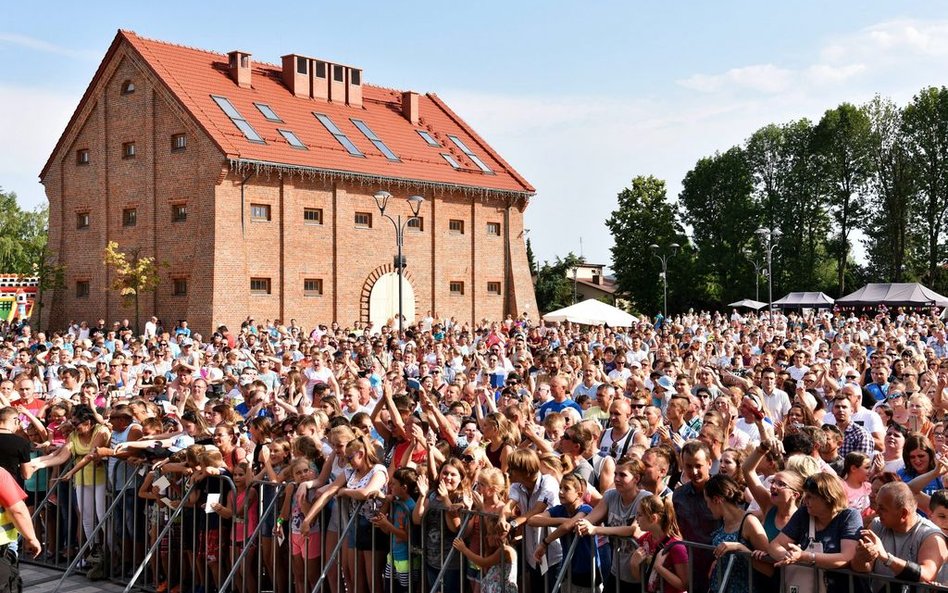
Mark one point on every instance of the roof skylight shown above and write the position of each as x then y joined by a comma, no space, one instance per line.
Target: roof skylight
451,160
335,131
292,139
375,139
239,121
268,113
428,138
460,144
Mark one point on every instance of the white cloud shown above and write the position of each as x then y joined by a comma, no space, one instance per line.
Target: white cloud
764,78
582,150
45,46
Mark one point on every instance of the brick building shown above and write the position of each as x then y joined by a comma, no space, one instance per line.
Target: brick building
254,184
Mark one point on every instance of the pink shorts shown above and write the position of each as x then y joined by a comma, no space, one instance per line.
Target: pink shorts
298,542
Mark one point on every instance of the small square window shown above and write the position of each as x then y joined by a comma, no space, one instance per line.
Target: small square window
493,229
179,287
416,224
493,288
313,215
179,142
128,150
301,65
456,226
457,288
82,220
260,212
363,220
179,212
338,74
82,289
129,216
82,156
320,69
259,286
128,87
355,77
313,287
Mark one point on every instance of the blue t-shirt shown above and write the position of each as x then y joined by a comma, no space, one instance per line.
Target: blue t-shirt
582,558
555,406
401,518
845,525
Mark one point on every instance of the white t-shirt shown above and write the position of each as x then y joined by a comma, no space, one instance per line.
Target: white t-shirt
867,419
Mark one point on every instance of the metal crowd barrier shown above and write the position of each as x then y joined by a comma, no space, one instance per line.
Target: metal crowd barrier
164,557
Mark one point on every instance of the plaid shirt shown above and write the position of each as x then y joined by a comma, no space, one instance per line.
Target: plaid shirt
856,438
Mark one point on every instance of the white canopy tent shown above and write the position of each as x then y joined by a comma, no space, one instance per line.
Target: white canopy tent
749,304
592,312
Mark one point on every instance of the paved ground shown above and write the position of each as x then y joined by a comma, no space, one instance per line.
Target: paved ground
37,579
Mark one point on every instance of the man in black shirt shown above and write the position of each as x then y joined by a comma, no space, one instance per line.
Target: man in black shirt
14,449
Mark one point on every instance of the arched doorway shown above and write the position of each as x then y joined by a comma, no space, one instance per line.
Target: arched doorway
383,300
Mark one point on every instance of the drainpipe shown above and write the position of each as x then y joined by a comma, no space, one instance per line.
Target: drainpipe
507,275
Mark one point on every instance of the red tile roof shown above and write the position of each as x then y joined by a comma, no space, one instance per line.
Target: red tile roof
193,75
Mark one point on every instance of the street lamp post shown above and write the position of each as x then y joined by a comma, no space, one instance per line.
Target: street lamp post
414,202
663,257
758,268
769,238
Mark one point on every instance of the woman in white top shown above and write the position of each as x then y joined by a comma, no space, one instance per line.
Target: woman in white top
364,480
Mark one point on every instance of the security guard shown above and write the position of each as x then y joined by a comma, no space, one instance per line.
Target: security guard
14,520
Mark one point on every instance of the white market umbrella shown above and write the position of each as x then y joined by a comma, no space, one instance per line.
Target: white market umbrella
593,312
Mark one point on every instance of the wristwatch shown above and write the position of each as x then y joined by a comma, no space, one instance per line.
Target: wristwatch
888,559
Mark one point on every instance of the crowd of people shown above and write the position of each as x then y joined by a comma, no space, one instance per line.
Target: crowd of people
697,453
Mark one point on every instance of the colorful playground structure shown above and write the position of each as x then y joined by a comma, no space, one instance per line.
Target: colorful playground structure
17,295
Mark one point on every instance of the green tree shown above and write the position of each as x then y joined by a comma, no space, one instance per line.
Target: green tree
716,201
926,128
842,143
786,188
531,258
890,239
132,275
644,217
554,287
22,236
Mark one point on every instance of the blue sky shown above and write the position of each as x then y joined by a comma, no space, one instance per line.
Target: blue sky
578,96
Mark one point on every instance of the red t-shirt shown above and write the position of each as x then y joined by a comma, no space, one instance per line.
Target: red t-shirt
10,491
417,455
673,555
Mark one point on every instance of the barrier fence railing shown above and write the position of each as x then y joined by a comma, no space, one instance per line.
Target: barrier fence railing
181,540
104,521
161,534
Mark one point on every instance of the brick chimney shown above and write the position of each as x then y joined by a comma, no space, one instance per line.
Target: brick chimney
239,67
410,106
337,83
354,87
296,74
319,79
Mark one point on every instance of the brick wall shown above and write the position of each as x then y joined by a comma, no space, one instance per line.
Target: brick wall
219,247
